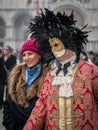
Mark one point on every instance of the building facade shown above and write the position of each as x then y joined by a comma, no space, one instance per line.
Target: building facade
15,16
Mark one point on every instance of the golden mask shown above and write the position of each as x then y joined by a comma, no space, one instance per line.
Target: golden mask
57,46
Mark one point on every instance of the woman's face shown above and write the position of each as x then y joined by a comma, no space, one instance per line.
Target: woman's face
31,58
6,51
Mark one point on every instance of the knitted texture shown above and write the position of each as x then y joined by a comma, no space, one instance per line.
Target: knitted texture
30,45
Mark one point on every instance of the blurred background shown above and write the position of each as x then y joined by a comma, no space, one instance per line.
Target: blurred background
15,16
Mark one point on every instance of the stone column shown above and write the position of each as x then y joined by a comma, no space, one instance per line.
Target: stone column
9,39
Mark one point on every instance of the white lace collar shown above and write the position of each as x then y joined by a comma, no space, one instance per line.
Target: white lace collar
64,82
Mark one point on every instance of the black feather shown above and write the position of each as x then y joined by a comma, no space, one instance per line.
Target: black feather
60,25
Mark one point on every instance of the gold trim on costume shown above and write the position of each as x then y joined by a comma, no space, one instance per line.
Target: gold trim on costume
68,114
65,121
62,119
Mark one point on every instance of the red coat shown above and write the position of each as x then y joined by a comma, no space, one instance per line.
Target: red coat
84,113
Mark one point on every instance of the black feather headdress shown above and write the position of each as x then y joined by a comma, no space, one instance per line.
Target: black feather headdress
49,25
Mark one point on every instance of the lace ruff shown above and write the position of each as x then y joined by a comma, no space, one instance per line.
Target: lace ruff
65,82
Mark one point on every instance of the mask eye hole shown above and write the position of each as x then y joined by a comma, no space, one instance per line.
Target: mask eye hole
55,45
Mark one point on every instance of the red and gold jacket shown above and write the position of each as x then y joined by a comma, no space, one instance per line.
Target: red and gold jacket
78,112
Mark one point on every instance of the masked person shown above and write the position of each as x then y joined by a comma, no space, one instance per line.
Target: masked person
69,96
24,85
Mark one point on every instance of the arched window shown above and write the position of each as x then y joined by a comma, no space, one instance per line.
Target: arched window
21,27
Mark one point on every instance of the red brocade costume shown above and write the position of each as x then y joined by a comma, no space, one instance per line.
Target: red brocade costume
77,112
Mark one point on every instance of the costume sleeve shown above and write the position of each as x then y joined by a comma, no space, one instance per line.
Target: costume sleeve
7,120
37,117
95,84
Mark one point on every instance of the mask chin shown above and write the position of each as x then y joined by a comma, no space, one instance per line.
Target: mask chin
59,54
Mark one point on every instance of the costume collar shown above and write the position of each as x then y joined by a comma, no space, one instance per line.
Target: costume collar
64,65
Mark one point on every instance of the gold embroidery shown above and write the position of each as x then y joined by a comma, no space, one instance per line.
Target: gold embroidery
68,114
72,116
65,121
79,96
80,80
62,119
53,97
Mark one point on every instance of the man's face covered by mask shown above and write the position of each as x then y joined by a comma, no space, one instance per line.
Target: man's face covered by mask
57,46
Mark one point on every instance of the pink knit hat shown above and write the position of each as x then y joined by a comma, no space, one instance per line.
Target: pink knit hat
30,45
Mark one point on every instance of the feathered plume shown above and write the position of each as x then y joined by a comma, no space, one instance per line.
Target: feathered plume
48,24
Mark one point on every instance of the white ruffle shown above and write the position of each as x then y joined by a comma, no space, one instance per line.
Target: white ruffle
64,82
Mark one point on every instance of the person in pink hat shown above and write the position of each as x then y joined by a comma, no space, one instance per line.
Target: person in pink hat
24,85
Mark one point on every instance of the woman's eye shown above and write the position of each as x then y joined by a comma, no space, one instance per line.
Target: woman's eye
23,55
30,53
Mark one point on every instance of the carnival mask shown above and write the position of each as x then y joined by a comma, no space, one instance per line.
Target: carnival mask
57,46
